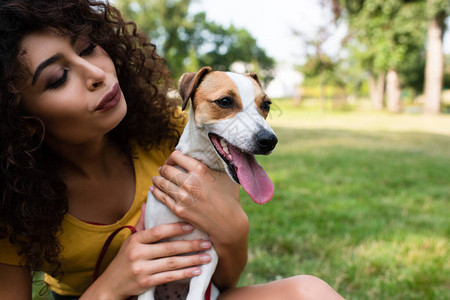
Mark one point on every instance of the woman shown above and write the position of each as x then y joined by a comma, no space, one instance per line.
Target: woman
84,126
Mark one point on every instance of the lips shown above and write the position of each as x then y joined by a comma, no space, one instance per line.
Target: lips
110,99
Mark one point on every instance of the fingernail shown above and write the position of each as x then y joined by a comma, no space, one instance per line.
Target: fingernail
159,169
205,257
151,188
188,227
196,272
205,245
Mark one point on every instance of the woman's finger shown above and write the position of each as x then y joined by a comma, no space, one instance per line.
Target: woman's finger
169,249
186,162
173,263
169,276
164,184
161,232
173,196
176,175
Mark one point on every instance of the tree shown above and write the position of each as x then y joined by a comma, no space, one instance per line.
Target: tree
437,11
220,47
388,32
188,42
319,69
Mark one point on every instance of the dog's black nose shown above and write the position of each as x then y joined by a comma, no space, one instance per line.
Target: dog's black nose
266,141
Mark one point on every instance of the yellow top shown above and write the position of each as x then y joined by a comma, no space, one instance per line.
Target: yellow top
82,242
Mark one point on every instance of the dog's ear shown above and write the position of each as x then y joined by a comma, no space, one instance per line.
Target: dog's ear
189,82
254,76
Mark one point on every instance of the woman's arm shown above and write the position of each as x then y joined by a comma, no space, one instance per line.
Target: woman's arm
15,282
208,200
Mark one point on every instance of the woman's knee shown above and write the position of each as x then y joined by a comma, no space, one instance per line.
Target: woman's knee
308,287
302,287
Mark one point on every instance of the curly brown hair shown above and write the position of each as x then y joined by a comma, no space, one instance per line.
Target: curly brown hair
33,201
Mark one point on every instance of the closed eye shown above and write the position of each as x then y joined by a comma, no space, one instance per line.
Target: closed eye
58,82
88,50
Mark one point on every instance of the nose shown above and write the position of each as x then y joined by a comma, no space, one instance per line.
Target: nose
94,75
266,141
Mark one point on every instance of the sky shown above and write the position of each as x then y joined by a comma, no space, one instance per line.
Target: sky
271,23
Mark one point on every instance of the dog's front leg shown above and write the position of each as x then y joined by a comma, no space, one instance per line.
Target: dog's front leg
199,284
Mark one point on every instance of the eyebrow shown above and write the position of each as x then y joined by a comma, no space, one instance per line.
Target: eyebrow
45,64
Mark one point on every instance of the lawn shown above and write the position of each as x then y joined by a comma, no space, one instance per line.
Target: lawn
361,200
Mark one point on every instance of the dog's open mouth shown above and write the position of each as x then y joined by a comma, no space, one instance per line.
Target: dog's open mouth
245,170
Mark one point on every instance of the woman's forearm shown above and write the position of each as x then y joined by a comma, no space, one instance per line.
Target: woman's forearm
232,254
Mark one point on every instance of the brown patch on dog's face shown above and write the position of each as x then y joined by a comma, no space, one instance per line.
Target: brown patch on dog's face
216,98
261,100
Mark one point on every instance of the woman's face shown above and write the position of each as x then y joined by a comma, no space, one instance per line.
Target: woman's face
72,87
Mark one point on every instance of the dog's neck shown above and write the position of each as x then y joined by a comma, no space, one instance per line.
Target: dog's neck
195,142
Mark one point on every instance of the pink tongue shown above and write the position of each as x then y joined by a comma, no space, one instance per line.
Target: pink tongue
254,180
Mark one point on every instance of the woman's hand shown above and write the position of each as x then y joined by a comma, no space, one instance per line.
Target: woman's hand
142,263
209,200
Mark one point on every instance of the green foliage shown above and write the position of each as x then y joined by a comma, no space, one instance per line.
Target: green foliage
383,35
388,32
320,69
191,41
438,8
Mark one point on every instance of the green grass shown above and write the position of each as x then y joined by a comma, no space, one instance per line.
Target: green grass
361,200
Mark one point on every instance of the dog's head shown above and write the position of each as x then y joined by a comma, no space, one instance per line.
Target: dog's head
231,108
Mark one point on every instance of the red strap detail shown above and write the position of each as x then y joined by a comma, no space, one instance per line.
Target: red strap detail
105,248
208,292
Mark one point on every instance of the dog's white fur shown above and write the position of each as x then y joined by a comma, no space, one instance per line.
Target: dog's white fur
239,130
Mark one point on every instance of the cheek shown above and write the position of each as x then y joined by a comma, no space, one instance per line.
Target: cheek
61,122
105,62
68,103
59,113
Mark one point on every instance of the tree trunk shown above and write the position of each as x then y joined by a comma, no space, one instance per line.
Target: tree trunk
297,100
434,66
376,90
322,96
393,92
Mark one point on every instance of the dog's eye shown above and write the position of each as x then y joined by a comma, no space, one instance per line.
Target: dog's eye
266,105
226,102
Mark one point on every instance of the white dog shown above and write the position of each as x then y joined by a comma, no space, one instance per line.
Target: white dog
226,128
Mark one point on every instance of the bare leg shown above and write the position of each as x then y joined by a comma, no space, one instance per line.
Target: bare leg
302,287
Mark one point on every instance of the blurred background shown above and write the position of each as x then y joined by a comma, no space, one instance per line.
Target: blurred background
392,53
361,108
